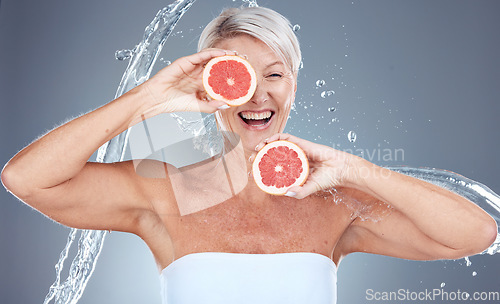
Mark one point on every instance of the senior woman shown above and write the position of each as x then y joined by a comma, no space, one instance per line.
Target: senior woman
239,244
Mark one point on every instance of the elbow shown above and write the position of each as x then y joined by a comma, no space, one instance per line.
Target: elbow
490,231
478,241
13,182
484,236
6,177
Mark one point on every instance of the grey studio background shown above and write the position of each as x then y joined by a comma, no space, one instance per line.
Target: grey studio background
421,76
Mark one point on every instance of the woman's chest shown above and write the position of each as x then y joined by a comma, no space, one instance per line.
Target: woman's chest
276,224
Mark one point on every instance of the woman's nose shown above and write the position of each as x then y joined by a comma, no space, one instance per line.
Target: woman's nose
261,95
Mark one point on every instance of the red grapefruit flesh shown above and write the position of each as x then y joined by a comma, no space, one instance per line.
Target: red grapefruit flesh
229,78
279,166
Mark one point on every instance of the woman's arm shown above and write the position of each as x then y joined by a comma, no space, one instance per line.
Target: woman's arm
427,221
53,176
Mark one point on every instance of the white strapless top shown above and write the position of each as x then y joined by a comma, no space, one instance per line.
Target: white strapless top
223,278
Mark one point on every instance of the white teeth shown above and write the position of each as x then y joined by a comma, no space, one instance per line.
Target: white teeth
256,116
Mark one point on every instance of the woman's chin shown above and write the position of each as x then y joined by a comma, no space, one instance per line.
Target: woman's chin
251,139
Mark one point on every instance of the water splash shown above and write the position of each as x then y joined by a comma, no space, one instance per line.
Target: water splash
476,192
165,62
139,69
351,136
123,54
206,137
326,94
320,83
467,261
251,3
366,211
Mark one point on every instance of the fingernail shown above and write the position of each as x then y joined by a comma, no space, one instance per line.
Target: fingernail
223,107
290,193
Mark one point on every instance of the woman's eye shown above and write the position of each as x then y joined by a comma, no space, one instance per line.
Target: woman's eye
275,75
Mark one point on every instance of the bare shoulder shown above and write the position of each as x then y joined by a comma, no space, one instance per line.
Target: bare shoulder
154,177
360,209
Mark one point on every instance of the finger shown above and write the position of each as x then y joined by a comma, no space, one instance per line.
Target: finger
275,137
284,136
299,192
313,151
188,64
252,157
205,55
308,147
212,106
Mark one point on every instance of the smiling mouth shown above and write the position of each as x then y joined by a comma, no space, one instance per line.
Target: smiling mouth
256,118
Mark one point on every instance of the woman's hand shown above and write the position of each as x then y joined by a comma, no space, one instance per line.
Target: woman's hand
179,86
329,168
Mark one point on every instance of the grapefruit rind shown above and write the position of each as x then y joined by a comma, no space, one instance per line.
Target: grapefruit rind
272,189
231,102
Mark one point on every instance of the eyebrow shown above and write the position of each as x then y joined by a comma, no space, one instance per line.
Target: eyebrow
277,62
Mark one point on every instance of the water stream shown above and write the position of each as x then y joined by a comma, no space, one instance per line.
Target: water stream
142,59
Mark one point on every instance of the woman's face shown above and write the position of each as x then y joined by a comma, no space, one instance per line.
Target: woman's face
267,112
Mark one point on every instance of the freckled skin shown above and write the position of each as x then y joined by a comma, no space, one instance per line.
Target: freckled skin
276,225
249,222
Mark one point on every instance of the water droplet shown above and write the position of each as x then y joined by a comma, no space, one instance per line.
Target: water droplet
443,284
332,109
166,62
325,94
296,28
467,262
301,65
123,54
251,3
335,119
474,273
320,83
351,136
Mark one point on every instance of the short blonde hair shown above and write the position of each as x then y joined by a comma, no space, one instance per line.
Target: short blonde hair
262,23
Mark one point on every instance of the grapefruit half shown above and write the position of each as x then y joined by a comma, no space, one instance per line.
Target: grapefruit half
229,78
279,166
